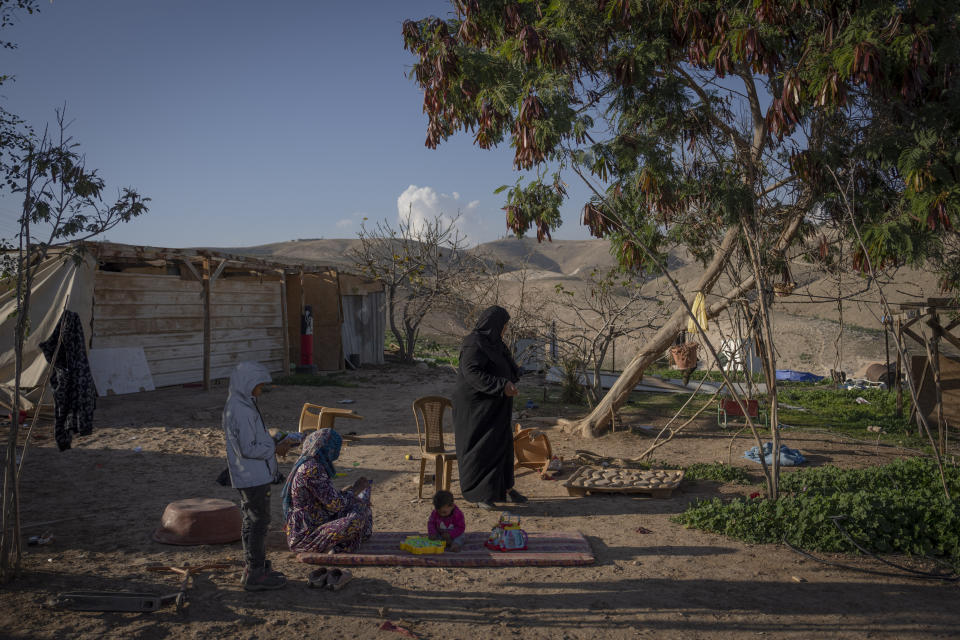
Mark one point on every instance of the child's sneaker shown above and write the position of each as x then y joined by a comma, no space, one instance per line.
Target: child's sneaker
263,581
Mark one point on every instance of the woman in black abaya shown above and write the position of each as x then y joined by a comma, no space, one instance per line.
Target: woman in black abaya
482,407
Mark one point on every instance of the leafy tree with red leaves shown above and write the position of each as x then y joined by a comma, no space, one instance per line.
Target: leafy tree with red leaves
723,125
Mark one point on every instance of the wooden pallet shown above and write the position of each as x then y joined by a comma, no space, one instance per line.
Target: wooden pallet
657,483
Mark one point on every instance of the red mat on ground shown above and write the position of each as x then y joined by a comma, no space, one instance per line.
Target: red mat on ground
557,549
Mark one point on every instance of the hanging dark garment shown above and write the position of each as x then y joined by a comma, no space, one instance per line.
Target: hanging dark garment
481,411
74,394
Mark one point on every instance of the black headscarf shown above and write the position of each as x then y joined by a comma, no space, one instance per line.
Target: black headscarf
491,322
487,333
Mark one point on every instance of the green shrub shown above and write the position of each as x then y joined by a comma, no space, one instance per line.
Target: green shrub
895,508
571,388
717,472
838,408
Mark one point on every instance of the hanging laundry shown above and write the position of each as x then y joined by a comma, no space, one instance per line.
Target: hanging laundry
74,394
699,309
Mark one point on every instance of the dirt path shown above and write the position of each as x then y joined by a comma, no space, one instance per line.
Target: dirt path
106,499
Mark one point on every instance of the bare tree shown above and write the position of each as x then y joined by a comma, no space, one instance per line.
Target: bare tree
515,291
609,306
62,205
421,264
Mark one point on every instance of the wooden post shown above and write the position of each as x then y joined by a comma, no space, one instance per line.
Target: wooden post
935,367
303,294
284,321
206,324
303,306
898,329
886,346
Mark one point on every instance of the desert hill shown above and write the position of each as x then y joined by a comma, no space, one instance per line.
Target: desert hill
808,322
561,257
332,252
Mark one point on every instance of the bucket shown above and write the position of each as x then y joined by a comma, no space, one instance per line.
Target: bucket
685,355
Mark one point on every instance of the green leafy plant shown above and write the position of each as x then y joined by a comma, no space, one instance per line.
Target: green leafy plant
571,387
428,350
826,407
893,508
717,472
667,370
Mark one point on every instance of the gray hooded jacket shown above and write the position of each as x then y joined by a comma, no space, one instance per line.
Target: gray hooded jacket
250,449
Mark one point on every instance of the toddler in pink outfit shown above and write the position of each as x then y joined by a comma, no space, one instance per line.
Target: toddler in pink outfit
446,522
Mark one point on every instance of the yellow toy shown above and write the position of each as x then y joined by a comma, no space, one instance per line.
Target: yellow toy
419,545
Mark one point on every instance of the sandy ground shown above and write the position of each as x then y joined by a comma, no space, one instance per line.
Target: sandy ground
104,499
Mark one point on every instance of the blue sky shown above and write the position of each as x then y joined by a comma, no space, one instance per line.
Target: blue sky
251,122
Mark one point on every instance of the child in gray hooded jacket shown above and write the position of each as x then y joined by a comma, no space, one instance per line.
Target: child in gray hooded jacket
251,458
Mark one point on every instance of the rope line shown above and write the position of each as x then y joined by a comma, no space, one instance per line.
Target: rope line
911,573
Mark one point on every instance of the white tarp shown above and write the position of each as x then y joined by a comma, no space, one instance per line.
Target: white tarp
60,282
120,370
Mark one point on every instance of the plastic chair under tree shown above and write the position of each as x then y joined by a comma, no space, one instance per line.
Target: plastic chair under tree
315,416
428,413
728,408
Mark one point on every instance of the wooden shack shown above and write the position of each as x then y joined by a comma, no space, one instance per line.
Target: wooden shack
195,313
155,317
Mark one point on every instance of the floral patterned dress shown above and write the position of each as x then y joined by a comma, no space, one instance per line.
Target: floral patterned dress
324,518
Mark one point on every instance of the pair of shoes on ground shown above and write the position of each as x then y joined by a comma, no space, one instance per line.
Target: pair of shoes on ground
265,580
332,579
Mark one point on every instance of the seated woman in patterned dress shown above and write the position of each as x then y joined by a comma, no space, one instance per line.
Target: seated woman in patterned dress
319,517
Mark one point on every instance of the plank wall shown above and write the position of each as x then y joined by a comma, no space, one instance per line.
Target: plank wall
164,315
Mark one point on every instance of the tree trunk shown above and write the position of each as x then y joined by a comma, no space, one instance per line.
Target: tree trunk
598,419
10,548
620,391
391,309
411,341
9,540
768,357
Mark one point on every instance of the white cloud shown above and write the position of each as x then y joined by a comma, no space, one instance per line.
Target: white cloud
344,223
424,204
475,223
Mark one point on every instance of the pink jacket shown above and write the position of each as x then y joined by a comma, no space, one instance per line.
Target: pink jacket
454,524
